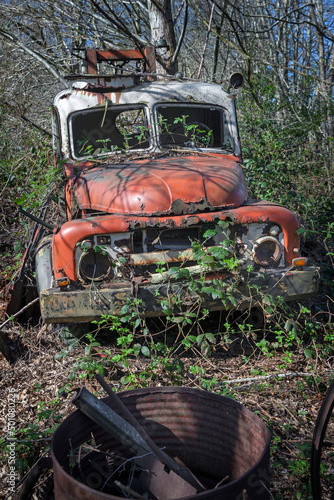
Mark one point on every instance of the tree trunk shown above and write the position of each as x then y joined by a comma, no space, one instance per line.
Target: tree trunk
161,24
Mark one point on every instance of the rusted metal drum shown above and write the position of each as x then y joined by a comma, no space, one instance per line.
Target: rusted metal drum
220,440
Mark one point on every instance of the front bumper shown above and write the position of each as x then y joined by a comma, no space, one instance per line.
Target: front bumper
66,306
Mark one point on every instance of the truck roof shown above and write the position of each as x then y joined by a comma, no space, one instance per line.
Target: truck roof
95,90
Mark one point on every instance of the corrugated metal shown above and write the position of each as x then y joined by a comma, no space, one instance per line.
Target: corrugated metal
213,435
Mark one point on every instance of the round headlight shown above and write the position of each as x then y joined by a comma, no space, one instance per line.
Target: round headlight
267,251
94,266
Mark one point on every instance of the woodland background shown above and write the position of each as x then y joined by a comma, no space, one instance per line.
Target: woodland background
285,51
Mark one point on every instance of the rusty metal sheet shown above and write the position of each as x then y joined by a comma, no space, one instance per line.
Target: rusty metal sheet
85,305
95,56
215,436
162,186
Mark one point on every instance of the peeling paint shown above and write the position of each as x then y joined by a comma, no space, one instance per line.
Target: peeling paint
161,186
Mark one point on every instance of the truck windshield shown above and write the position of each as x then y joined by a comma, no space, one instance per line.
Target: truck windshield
104,130
192,126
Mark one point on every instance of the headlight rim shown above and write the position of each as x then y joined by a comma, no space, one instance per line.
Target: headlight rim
83,277
278,251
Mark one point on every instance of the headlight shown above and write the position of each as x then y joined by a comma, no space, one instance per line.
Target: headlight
267,251
94,266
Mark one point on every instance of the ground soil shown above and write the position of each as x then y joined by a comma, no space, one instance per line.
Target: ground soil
288,405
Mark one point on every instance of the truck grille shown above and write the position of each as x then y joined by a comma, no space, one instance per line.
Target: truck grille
155,240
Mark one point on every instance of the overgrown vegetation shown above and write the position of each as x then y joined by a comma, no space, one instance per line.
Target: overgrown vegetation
291,166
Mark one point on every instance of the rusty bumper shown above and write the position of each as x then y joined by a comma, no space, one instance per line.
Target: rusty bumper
63,306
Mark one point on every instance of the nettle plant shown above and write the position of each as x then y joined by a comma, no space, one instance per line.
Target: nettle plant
198,135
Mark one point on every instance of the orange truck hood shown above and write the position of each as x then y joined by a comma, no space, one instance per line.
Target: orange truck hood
180,185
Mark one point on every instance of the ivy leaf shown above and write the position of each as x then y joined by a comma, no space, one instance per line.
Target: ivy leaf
205,348
211,337
137,322
232,300
217,294
183,273
199,339
187,343
145,351
125,309
173,270
136,349
267,300
178,319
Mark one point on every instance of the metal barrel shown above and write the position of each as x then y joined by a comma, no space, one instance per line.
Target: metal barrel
217,438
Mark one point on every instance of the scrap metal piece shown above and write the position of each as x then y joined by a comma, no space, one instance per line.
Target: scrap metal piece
109,420
175,470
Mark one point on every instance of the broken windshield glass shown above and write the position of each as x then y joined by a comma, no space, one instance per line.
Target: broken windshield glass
192,126
107,130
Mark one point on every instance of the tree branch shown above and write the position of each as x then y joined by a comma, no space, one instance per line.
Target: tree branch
139,41
184,27
260,378
206,40
24,118
15,41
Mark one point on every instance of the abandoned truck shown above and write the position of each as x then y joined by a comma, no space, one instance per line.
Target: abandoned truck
153,173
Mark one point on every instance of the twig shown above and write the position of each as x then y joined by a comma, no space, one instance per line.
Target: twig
25,118
265,377
26,484
19,312
226,478
123,465
206,40
288,411
183,32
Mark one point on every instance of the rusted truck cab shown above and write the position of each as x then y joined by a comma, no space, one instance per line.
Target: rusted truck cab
153,173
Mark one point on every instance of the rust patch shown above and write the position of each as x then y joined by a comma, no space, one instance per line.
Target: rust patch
97,88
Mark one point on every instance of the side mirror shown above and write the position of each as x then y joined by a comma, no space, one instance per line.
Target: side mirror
236,80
